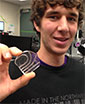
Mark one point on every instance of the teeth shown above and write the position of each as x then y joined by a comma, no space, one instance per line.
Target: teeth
61,39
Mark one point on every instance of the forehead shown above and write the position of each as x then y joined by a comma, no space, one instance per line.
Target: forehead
61,9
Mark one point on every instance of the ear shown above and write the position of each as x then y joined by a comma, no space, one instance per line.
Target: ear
36,27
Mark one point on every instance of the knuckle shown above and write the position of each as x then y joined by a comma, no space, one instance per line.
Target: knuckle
3,47
13,48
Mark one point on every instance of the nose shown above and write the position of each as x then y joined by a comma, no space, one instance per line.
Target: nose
63,25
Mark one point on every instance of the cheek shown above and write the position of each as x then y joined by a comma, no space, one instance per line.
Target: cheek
48,27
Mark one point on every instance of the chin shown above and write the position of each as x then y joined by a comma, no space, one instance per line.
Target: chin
60,51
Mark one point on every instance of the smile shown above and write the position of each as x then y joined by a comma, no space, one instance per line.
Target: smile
61,41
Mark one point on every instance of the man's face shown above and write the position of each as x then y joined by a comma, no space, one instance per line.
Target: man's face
58,28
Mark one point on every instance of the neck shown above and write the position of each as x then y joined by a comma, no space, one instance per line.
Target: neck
51,59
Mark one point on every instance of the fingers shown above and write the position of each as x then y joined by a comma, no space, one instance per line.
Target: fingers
22,81
6,53
10,85
15,51
14,85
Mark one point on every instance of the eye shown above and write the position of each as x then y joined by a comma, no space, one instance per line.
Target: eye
71,19
54,17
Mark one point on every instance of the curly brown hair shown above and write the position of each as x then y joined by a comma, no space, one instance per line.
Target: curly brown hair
39,7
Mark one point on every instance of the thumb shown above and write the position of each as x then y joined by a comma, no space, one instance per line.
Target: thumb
22,81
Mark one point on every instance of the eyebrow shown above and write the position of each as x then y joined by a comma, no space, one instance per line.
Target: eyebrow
52,13
56,12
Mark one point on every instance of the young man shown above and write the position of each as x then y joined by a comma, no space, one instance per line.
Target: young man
59,79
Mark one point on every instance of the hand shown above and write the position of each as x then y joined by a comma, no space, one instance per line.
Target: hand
7,85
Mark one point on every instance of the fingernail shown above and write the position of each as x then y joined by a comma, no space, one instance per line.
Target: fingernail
30,73
18,51
7,55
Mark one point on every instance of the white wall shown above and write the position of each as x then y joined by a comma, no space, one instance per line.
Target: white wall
11,15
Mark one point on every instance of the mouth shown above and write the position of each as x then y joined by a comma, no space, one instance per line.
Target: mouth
61,41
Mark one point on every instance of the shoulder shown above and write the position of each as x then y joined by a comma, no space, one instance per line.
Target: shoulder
73,63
